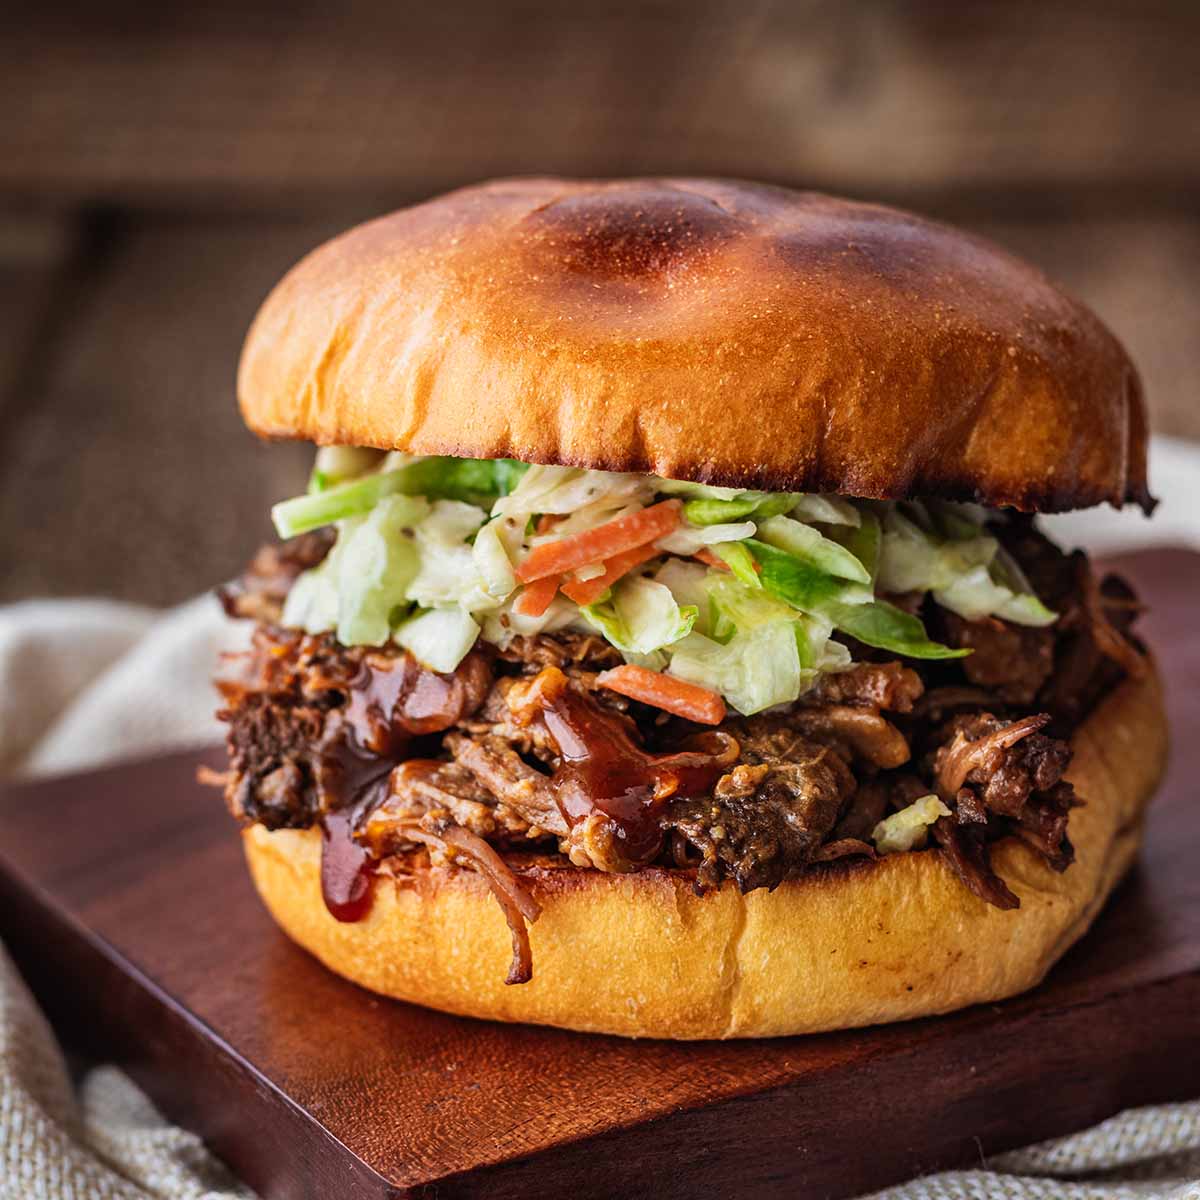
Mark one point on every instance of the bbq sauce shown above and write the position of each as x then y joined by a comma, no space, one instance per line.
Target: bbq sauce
603,769
391,702
346,878
354,780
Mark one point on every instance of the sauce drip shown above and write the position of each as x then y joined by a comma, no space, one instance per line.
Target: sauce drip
391,701
603,769
392,697
346,877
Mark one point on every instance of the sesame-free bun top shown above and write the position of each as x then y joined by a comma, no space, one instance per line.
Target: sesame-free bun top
726,332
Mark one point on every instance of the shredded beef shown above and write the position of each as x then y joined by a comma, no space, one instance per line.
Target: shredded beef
768,817
1043,824
1004,761
966,850
566,650
307,731
889,685
258,594
867,807
512,783
1012,662
857,733
1093,646
422,785
452,766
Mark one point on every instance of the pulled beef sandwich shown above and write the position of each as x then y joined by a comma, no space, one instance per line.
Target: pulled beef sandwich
666,645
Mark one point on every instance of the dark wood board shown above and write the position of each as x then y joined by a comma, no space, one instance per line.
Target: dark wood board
125,902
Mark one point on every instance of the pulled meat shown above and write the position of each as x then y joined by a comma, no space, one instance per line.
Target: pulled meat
966,850
313,724
520,749
258,595
1012,662
889,685
453,843
514,785
1093,646
767,818
1006,760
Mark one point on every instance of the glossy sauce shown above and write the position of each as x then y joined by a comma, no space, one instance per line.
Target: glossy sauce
603,769
391,702
346,878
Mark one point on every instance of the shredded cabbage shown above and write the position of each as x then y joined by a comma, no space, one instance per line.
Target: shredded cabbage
863,540
444,538
753,670
501,625
754,650
439,638
449,574
697,491
805,542
344,500
965,570
828,510
492,552
641,616
365,579
740,562
336,464
908,829
564,490
689,538
757,504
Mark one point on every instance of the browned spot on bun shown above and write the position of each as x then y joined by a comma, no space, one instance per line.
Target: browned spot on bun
644,232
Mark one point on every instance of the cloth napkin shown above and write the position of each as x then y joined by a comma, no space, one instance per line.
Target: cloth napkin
89,681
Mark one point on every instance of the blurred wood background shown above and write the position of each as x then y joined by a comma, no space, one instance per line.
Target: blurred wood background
162,165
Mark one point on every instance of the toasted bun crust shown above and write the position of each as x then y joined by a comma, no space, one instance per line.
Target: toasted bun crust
726,332
855,943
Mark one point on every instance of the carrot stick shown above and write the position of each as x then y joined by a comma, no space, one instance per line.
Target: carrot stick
536,597
705,555
687,700
602,543
588,591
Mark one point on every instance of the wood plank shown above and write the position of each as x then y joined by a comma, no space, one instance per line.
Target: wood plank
35,253
1139,274
266,103
310,1087
128,471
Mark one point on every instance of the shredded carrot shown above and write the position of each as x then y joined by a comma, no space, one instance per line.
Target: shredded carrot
705,555
536,597
546,522
687,700
588,591
602,543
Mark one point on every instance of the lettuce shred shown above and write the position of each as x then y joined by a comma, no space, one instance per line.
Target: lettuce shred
747,595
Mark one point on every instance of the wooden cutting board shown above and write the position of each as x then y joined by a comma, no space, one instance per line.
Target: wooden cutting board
125,901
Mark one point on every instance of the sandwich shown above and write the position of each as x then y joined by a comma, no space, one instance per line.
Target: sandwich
666,644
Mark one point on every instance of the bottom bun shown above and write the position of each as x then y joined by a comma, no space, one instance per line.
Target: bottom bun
852,943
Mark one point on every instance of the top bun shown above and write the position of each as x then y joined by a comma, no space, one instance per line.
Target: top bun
730,333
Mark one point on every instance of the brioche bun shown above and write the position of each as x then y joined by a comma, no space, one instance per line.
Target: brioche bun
724,332
852,943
